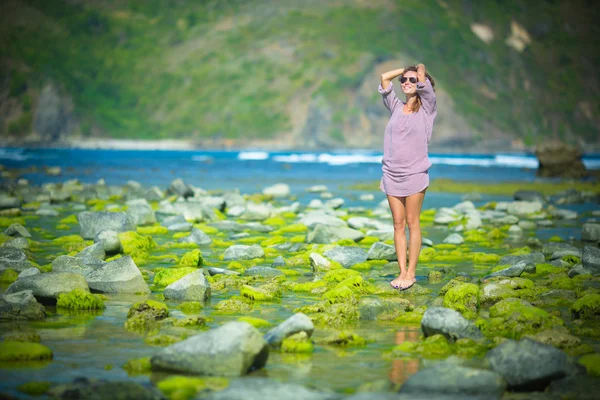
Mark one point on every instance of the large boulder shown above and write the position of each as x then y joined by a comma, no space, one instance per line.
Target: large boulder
140,212
445,379
13,258
557,159
591,259
324,234
382,251
233,349
17,230
527,364
92,223
243,252
314,218
449,323
72,264
21,306
118,276
47,287
110,241
590,232
296,323
192,287
347,256
535,258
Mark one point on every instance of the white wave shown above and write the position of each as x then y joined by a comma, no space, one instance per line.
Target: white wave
327,158
480,162
13,154
517,161
296,158
253,155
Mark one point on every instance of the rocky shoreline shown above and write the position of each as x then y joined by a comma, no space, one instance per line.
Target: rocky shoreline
499,311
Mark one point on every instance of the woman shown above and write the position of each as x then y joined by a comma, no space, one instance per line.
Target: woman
405,162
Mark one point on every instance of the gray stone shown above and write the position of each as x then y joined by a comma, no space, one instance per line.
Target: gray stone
314,218
140,212
454,238
449,323
265,272
465,207
580,387
233,349
565,253
21,306
445,216
382,235
278,262
256,226
212,271
257,212
277,190
514,270
29,272
347,256
182,227
535,258
527,364
590,232
578,269
196,236
522,208
172,220
154,194
94,251
75,265
242,252
192,287
92,223
49,285
369,223
324,234
318,263
9,202
591,259
20,243
529,195
110,241
382,251
259,388
563,213
527,225
552,247
96,389
13,258
298,322
118,276
506,220
473,221
445,379
17,230
179,188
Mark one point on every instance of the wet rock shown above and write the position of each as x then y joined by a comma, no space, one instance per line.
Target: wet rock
314,218
562,213
278,190
528,226
324,234
559,254
506,220
527,364
444,380
180,188
75,265
513,270
192,287
47,287
17,230
94,389
111,244
94,251
20,306
221,271
167,221
381,251
529,195
557,159
29,272
9,202
591,259
13,258
298,322
257,212
445,215
20,243
268,389
579,269
242,252
263,271
449,323
318,263
473,221
523,208
196,236
387,234
552,247
140,212
590,232
233,349
154,194
118,276
92,223
581,387
535,258
454,238
278,262
347,256
183,227
368,223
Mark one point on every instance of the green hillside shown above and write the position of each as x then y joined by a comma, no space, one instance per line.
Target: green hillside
295,72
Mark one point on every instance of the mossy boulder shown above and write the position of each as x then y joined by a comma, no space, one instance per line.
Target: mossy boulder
338,275
233,306
34,388
587,307
345,339
79,299
180,387
24,351
167,276
297,343
143,316
255,322
463,298
138,365
132,242
193,259
8,276
191,306
262,293
339,295
591,362
497,289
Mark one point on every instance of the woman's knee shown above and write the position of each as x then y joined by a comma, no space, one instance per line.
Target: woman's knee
413,224
399,226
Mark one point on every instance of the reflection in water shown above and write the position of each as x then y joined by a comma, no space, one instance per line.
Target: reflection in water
403,368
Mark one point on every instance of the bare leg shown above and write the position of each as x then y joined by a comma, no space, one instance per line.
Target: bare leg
397,207
413,213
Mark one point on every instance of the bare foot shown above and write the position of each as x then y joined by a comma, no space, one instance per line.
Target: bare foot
407,282
397,283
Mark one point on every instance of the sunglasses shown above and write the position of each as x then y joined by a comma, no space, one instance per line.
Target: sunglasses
412,79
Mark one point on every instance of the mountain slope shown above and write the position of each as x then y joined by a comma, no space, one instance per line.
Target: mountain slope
295,73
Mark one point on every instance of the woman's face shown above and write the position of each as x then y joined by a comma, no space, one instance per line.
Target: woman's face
409,87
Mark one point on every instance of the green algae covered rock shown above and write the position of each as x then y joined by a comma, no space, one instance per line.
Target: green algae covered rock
180,387
591,362
142,316
34,388
587,307
345,339
338,275
297,343
8,276
138,365
191,307
255,322
167,276
162,340
79,299
24,351
339,295
193,259
433,347
262,293
132,242
497,289
233,306
152,230
464,299
308,286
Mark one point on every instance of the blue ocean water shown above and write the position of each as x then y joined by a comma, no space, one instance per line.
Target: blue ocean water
252,170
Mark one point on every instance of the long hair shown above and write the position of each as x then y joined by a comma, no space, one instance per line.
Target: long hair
417,105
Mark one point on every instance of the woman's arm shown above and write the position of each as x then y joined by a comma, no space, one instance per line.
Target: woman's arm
421,77
387,77
425,91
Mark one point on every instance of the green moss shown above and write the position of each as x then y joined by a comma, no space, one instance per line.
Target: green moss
427,254
485,258
339,295
572,260
24,351
162,340
190,322
294,228
138,365
79,299
34,388
347,339
185,387
273,240
232,306
591,362
297,343
256,293
338,275
71,219
152,230
308,286
23,336
556,239
587,307
469,348
8,276
190,306
167,276
463,298
433,347
444,246
255,322
68,239
132,242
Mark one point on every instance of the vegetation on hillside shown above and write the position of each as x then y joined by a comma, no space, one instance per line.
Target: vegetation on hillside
231,68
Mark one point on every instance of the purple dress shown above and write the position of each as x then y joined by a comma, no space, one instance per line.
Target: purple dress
405,162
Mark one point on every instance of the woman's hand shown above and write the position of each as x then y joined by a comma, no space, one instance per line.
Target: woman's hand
387,77
421,77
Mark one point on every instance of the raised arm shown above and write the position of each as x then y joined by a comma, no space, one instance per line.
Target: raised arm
387,77
425,91
421,77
